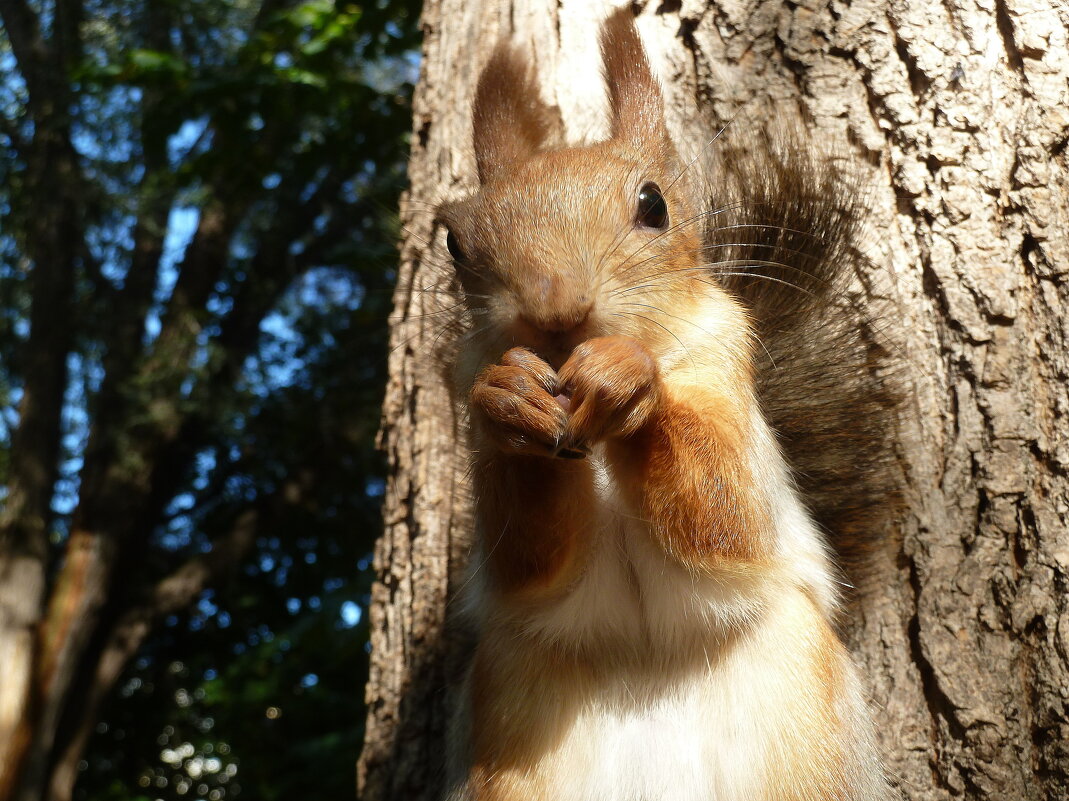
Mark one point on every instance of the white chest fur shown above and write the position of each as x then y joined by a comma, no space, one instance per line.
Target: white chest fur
716,675
748,719
685,744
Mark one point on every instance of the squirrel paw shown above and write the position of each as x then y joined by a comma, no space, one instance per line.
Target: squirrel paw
612,385
515,406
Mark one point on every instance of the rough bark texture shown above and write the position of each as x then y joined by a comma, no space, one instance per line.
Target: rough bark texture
957,113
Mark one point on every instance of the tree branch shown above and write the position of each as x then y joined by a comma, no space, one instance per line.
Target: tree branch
24,35
171,594
123,496
122,341
53,243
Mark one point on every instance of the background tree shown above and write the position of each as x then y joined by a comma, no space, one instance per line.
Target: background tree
194,258
955,113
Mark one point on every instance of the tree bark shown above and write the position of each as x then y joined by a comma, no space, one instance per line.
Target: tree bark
955,113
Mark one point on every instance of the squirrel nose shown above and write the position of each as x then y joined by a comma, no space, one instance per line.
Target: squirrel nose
551,303
558,321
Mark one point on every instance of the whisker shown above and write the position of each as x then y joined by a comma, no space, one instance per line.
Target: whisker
713,268
722,228
708,144
618,239
403,318
444,328
685,320
801,254
771,361
768,278
697,218
666,314
686,350
767,226
671,229
449,293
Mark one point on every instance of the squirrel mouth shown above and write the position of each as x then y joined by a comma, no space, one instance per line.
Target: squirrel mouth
553,347
555,357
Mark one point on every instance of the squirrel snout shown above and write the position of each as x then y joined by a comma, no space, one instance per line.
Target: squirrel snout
553,334
551,314
552,304
556,321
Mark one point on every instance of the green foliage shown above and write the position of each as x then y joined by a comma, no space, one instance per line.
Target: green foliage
246,378
210,678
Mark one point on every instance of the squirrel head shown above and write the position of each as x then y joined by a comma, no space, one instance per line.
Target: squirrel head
561,244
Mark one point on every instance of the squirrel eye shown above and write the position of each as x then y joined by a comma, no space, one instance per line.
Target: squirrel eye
453,246
652,210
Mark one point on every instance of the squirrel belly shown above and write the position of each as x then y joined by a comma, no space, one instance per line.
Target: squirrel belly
770,712
651,597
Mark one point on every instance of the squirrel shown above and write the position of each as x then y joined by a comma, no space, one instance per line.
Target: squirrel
671,408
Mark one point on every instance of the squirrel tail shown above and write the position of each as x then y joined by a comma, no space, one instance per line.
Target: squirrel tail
785,232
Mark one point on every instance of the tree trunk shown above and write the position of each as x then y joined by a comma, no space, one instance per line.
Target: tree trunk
25,515
955,113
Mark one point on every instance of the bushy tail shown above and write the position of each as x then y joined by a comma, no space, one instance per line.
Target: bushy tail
785,233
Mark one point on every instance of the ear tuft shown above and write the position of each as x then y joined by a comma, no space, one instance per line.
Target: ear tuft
634,96
510,121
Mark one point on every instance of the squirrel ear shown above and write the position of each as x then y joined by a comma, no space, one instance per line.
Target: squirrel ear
509,119
634,96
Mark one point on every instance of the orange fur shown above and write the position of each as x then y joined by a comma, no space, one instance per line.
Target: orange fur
634,96
511,730
535,519
686,472
510,121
